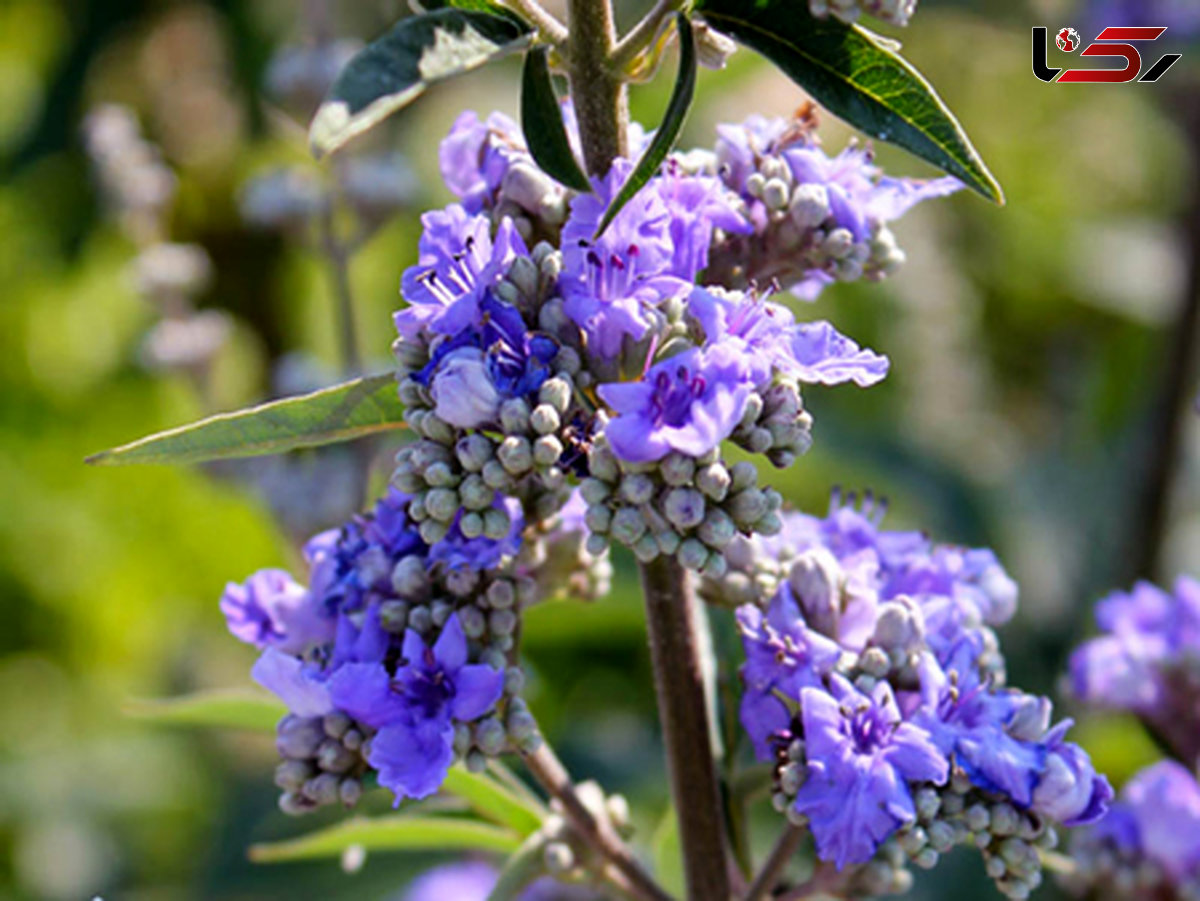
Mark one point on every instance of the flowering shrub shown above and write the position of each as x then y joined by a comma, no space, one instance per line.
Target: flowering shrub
596,350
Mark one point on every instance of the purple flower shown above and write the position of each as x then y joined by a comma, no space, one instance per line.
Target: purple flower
821,354
1164,800
768,338
462,389
497,358
698,205
783,656
271,609
456,550
297,683
861,759
475,156
1069,789
612,286
414,708
458,263
1140,661
461,881
688,403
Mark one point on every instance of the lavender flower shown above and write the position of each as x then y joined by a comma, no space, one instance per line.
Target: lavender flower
414,708
271,609
459,262
1147,660
687,403
612,286
476,155
861,759
1148,847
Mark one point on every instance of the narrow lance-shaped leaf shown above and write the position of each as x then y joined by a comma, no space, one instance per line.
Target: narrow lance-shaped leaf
542,122
221,709
392,71
390,833
858,76
350,410
668,131
494,801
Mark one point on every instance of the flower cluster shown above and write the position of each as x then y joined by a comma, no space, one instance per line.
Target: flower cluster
474,881
1147,661
537,347
1148,847
874,681
395,656
815,219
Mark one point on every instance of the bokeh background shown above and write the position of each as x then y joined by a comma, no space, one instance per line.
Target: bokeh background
1039,403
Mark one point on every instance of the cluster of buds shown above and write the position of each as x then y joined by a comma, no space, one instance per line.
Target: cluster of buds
323,761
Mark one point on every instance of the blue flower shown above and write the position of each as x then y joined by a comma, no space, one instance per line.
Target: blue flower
496,358
612,286
689,403
415,707
783,656
271,609
476,155
861,759
458,263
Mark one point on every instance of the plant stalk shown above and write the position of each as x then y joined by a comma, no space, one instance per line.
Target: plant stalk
673,629
768,877
548,770
600,97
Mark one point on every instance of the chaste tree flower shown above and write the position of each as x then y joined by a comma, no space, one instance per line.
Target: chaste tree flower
873,680
1147,661
1148,847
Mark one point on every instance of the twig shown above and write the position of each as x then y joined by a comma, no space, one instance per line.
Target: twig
548,770
768,877
552,30
643,34
601,101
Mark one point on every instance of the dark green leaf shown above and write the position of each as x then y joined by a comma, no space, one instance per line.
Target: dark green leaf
391,72
351,410
396,832
542,122
494,801
223,709
858,76
668,131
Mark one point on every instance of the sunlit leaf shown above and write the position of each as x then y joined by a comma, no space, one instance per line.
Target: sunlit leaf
224,709
418,51
341,413
856,75
396,832
491,800
664,138
542,122
668,853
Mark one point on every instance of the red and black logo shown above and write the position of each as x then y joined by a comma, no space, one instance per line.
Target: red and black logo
1112,42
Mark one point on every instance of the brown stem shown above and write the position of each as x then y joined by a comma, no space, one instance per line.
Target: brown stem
548,770
768,876
601,101
671,612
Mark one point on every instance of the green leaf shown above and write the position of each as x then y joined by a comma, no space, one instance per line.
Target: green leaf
350,410
668,853
225,709
393,71
668,131
494,801
521,869
542,122
397,832
858,76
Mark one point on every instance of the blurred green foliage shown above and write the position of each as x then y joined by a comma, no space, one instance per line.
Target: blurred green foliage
1027,345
